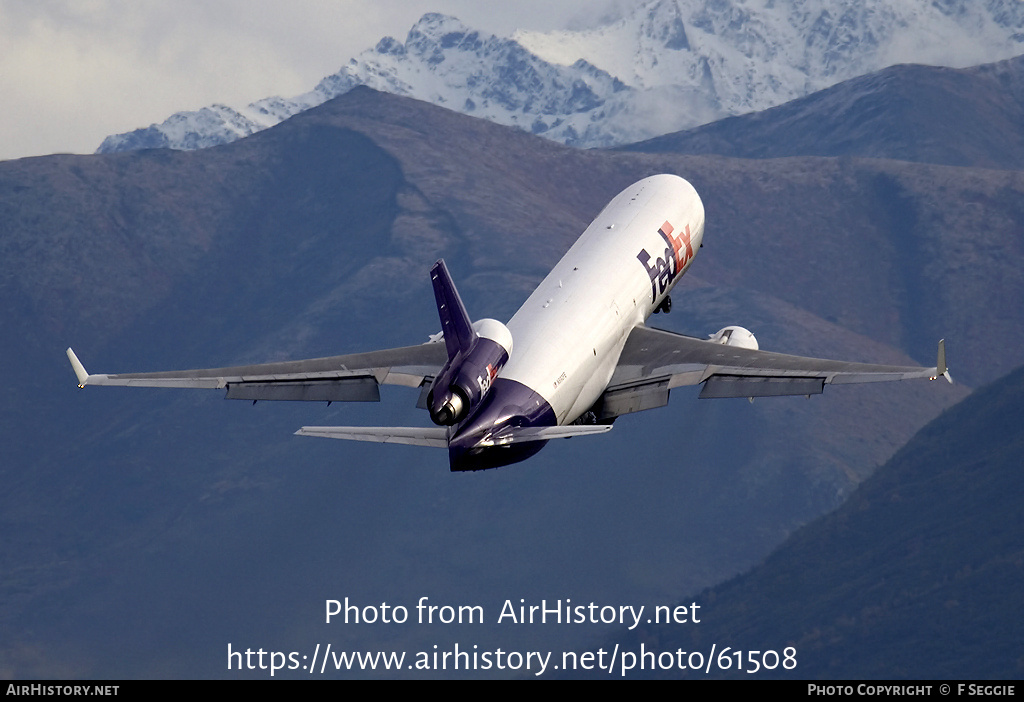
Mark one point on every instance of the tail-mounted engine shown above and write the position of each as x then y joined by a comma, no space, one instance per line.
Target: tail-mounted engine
476,354
465,379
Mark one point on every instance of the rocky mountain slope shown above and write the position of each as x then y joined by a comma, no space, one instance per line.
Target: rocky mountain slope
957,117
917,576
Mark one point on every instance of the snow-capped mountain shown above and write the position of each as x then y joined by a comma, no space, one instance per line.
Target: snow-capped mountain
446,63
441,61
665,65
754,54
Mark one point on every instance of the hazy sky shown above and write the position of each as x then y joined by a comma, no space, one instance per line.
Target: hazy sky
74,71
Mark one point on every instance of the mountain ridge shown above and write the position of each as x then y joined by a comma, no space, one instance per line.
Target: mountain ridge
956,117
660,69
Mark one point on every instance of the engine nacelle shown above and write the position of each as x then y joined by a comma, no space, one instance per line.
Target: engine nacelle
465,379
735,336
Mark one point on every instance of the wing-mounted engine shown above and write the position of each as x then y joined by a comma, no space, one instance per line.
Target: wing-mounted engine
476,354
735,336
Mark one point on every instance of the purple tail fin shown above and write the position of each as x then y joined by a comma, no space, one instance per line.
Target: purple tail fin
458,330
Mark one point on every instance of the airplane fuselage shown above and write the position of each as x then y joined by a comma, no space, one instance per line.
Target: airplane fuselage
569,333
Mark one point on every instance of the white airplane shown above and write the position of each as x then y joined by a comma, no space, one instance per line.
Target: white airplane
574,357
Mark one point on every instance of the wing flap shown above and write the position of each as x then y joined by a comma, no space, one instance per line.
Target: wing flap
633,398
739,386
357,389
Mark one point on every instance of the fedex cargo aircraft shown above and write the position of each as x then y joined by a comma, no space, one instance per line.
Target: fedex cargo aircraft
574,357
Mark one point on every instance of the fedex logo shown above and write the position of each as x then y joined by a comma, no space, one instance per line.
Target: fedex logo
485,380
665,269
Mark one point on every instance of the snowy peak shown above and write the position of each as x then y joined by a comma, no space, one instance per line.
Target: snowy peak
750,54
435,33
662,67
444,62
628,48
429,37
665,26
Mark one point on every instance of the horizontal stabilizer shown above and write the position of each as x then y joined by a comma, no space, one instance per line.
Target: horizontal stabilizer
518,435
412,436
438,436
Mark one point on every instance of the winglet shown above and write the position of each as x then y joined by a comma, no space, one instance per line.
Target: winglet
940,363
83,376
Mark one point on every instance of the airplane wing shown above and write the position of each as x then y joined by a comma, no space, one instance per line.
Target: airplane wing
655,361
349,378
